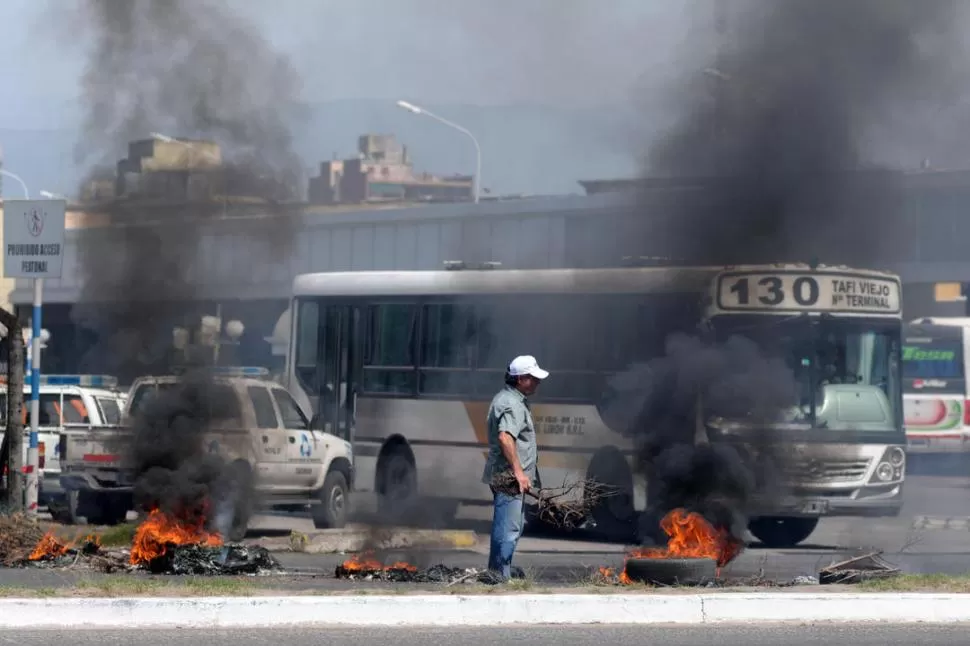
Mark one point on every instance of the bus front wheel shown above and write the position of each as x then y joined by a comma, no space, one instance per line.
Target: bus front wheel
781,532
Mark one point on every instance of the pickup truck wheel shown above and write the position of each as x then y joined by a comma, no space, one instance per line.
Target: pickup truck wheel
103,509
331,512
64,510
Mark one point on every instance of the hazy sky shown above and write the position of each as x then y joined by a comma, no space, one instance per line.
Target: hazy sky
573,52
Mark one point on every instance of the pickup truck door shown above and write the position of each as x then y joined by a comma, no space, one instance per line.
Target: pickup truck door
304,452
271,463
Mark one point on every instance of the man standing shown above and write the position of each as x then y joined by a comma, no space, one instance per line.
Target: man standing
511,450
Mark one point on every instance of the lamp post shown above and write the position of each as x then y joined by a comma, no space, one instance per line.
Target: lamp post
210,333
23,185
476,182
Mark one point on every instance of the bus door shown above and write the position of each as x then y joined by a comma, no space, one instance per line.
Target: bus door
339,361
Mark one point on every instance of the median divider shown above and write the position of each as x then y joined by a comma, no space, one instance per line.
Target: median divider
357,540
483,610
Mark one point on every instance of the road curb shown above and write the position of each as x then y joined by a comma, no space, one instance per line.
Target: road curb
331,542
481,610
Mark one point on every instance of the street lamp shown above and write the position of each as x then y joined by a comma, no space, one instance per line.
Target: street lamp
410,107
52,196
23,185
210,334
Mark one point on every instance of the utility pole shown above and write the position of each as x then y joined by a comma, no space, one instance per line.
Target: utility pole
12,449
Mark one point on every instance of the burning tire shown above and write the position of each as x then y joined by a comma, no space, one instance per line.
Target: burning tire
782,532
334,498
671,571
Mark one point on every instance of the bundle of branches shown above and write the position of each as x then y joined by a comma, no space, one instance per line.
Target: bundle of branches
18,537
567,507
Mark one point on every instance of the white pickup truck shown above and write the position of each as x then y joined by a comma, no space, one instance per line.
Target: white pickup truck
66,401
264,436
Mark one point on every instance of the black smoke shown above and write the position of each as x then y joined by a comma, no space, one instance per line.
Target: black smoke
771,151
194,70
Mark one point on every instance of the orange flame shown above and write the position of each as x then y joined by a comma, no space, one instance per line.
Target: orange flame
161,530
49,546
366,562
690,536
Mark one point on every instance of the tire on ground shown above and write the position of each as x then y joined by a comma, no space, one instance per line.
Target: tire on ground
331,512
780,532
686,571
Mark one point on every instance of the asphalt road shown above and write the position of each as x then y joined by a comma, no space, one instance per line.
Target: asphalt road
932,535
791,635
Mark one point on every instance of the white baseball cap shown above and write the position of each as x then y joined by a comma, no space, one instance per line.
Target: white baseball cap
526,365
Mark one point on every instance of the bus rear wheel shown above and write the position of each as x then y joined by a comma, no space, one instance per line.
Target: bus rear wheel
780,531
398,485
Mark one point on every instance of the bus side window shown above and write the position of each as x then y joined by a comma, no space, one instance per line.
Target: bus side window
388,366
447,349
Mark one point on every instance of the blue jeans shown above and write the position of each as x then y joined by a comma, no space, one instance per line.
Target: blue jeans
508,521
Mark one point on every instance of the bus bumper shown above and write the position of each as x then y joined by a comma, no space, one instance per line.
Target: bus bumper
883,501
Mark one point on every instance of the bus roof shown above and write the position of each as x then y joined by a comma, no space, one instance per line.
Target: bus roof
625,280
943,321
631,280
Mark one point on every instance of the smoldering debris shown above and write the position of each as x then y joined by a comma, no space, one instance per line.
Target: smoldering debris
204,560
19,536
367,566
198,560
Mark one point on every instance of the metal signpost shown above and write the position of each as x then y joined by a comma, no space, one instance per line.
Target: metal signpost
33,247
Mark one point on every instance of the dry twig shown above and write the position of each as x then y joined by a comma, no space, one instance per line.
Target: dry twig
566,507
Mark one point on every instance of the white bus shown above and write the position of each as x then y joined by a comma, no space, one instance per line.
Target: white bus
936,398
422,353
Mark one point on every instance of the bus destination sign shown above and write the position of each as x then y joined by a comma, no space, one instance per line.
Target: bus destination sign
799,292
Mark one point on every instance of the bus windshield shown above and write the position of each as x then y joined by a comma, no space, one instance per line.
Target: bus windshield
846,370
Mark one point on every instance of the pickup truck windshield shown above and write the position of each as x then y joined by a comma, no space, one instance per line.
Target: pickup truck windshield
221,400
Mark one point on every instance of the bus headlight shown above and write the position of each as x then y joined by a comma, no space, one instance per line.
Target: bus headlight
884,472
897,457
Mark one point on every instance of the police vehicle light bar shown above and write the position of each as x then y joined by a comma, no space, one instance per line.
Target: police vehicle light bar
253,372
92,381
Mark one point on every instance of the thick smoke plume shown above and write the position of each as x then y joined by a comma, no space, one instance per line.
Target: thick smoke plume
189,69
772,147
